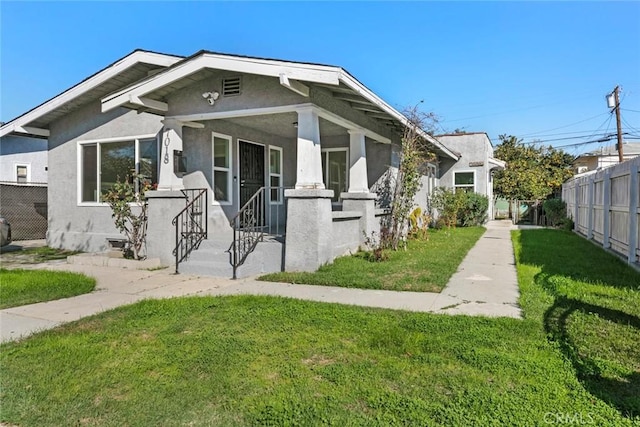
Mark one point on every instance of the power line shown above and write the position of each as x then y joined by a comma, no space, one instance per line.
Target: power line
562,127
633,111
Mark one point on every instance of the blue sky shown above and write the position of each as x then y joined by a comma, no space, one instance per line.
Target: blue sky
536,70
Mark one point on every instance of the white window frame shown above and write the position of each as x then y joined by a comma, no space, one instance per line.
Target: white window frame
25,165
432,177
325,152
280,175
136,139
215,168
475,180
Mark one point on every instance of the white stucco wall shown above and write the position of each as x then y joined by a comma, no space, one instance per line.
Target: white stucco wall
30,152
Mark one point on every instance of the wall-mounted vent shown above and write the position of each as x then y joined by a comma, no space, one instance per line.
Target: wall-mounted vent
231,86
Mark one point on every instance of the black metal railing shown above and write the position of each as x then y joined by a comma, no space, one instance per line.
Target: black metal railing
191,223
264,213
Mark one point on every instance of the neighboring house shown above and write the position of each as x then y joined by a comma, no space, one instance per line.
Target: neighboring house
604,157
314,136
474,169
23,159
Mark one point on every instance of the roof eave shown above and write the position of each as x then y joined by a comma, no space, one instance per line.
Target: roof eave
20,125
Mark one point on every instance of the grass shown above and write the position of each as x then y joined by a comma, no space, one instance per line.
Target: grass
425,267
37,255
20,287
246,360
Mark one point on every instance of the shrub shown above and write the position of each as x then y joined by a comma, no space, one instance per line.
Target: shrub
474,210
556,211
460,208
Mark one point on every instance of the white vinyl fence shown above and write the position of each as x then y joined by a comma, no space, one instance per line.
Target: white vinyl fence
604,206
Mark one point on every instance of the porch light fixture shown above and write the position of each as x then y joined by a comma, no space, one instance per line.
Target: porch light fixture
211,97
295,125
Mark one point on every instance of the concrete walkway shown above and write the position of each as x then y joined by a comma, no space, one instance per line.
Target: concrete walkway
485,284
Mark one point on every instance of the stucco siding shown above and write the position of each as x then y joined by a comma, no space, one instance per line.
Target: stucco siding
30,152
256,92
84,227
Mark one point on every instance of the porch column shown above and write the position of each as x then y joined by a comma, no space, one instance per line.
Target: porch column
309,157
358,181
171,141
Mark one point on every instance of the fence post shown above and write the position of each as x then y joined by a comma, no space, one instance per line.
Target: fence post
633,213
591,197
576,207
606,209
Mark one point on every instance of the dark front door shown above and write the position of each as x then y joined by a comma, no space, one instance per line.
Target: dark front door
251,170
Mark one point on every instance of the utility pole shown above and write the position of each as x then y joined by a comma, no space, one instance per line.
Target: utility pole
616,97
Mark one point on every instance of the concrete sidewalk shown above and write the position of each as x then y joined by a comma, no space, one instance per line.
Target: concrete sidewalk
485,284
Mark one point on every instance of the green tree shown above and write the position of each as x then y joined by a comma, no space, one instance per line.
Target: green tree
532,173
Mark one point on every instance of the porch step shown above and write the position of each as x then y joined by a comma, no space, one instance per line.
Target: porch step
211,259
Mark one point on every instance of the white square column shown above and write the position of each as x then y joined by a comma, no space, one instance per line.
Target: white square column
171,140
358,181
309,157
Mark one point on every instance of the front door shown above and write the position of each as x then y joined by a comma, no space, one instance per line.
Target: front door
251,170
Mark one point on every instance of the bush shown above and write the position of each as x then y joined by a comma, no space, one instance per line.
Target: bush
556,211
460,208
474,210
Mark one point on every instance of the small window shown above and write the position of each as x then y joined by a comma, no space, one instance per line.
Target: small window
222,168
275,174
464,181
22,173
231,86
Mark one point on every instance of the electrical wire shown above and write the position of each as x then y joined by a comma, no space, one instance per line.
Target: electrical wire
562,127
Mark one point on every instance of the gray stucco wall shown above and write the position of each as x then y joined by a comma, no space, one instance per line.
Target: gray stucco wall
473,148
19,150
257,92
74,226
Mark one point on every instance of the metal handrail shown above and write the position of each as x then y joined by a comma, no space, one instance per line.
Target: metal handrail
191,223
251,223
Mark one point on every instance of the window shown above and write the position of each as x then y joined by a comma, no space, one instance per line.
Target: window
22,173
275,174
464,181
431,178
335,171
222,168
103,163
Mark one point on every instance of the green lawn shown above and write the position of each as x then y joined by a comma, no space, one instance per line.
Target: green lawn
425,267
246,360
20,287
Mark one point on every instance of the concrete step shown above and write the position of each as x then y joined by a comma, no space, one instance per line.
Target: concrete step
212,259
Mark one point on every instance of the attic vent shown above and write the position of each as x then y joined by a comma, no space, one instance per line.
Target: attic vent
231,86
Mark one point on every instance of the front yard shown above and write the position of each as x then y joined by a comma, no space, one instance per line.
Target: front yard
246,360
426,266
20,287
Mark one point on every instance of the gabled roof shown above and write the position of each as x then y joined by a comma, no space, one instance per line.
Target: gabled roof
147,93
129,69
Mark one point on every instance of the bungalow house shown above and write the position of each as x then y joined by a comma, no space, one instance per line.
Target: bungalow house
237,146
474,169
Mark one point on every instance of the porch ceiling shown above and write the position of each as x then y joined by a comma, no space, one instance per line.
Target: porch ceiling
282,125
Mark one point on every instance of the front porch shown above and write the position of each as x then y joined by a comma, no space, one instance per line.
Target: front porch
295,174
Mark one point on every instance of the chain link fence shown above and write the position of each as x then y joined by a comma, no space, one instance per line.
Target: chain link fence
24,205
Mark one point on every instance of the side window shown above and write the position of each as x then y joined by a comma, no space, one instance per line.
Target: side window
335,171
222,168
22,173
275,174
